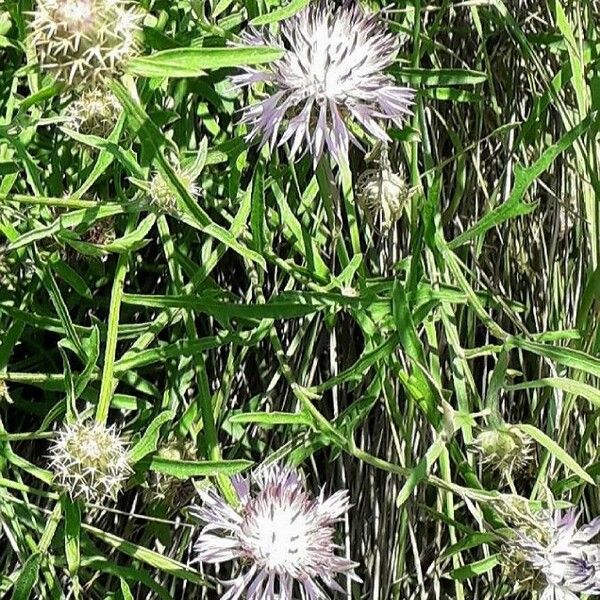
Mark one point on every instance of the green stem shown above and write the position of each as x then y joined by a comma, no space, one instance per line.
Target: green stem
108,380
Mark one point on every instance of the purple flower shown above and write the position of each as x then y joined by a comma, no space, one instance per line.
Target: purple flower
330,74
280,532
565,556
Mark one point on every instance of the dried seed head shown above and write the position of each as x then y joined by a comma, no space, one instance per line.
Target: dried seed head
381,192
504,449
163,197
95,112
90,461
79,40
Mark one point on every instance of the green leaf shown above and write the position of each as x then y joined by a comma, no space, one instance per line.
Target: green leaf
149,441
287,10
183,469
441,77
272,418
515,204
541,438
27,577
476,568
192,62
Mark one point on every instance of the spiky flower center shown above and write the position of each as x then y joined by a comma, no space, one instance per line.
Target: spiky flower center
276,534
75,16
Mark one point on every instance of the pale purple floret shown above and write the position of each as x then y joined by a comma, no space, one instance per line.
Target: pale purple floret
331,74
283,535
568,560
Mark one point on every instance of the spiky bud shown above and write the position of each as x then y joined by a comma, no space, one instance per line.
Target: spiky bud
167,489
90,461
505,448
95,112
163,198
78,40
383,192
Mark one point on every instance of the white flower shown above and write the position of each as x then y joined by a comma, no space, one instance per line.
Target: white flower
331,74
90,461
564,555
283,534
78,40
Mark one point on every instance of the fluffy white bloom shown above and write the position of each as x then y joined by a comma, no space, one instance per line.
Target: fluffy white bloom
283,535
564,555
331,74
90,461
77,40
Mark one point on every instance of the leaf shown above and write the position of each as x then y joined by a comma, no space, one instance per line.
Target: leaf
149,441
27,577
441,77
541,438
476,568
272,418
184,469
154,140
287,10
72,532
192,62
577,388
524,178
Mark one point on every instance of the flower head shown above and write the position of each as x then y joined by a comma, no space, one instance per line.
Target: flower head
383,192
282,533
163,197
563,554
95,112
76,40
505,448
90,461
331,74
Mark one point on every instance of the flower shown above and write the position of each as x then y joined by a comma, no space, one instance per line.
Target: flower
95,112
282,533
564,555
162,195
90,461
505,448
331,74
77,40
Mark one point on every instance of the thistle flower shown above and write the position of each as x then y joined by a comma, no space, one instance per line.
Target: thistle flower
77,40
331,75
95,112
283,534
563,555
90,461
163,197
505,448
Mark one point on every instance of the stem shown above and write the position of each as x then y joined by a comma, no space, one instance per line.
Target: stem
108,384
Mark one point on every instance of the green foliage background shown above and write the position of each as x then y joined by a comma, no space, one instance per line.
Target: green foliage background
270,319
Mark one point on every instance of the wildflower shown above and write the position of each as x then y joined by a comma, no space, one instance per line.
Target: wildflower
163,197
95,112
505,448
283,534
77,40
563,555
90,461
383,192
331,75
